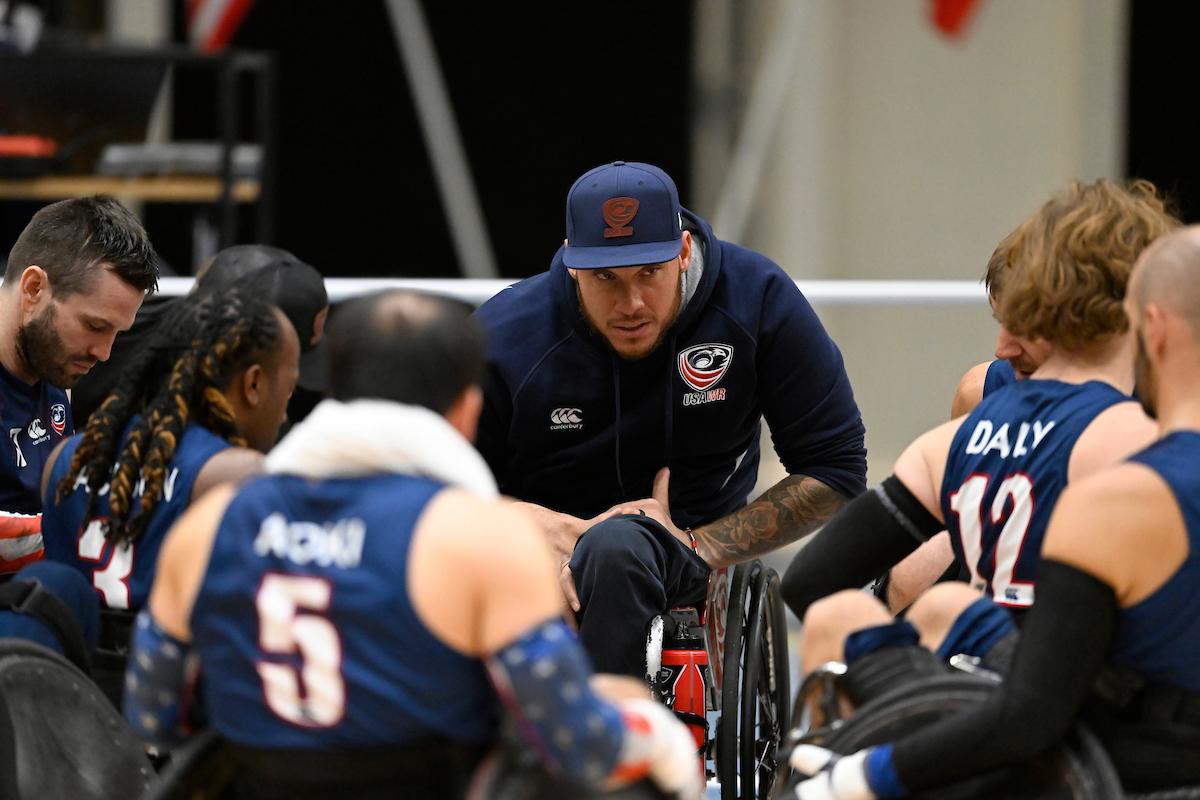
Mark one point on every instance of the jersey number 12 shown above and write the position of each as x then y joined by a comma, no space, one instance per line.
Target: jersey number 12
1005,549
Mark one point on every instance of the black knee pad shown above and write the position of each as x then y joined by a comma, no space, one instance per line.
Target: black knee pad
888,668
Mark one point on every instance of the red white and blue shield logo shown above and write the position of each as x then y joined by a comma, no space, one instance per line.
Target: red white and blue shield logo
58,418
702,366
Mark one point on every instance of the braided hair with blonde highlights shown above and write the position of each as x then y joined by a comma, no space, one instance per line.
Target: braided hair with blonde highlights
179,378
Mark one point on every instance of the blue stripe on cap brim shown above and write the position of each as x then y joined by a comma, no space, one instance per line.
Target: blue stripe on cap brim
629,255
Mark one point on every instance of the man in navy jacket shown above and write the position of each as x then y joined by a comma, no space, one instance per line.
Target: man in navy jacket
640,366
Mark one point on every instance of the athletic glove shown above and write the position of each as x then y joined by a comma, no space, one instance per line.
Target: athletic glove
660,746
834,777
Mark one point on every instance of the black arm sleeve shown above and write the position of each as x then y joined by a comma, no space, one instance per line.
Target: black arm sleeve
1039,699
874,531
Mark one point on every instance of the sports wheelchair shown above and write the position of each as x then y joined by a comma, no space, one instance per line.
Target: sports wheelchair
59,735
1079,767
729,657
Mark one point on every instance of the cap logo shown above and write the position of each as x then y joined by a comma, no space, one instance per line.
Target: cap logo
618,212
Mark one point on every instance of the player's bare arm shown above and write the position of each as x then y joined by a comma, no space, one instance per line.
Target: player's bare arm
183,561
505,573
919,571
790,509
969,391
878,529
923,463
230,466
507,608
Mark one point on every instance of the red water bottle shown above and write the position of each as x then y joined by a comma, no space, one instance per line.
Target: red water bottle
682,680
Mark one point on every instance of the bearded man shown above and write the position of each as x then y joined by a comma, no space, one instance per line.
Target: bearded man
641,365
75,278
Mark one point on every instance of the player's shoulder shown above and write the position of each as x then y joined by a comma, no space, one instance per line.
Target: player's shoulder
1113,435
466,526
969,391
1127,489
1125,502
934,444
922,465
1121,525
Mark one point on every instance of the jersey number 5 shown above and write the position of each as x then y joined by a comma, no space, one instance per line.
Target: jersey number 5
291,618
1005,549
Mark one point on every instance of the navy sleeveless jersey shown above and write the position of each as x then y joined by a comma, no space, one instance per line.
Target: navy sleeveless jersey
306,634
121,575
35,418
1005,470
1160,636
999,374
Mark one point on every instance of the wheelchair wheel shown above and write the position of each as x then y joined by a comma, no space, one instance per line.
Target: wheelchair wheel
755,694
198,770
726,748
1077,768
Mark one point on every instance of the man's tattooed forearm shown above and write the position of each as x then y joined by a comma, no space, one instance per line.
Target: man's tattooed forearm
789,510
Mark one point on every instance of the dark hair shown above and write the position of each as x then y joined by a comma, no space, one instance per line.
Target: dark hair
73,238
238,261
176,379
405,347
296,288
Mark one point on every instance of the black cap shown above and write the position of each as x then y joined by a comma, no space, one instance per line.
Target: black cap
285,281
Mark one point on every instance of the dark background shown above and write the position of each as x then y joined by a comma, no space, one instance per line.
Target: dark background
1163,142
539,98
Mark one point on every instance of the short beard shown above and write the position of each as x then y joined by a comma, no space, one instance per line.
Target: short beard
600,334
43,351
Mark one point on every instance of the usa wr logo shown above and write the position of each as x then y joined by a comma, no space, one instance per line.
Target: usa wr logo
58,418
703,365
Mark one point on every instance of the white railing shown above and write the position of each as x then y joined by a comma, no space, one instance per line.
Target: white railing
827,293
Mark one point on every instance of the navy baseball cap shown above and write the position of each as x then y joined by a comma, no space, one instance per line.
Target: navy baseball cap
623,214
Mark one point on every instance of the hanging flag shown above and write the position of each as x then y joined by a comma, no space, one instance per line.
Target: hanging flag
212,23
951,16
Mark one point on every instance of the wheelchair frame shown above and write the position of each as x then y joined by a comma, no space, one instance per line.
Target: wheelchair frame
743,661
1081,761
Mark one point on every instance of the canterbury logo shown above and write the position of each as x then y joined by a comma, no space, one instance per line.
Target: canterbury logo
36,431
566,416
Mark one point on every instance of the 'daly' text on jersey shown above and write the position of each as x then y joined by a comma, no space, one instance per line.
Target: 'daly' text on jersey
987,438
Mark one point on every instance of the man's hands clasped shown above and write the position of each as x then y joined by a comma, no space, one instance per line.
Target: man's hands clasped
563,531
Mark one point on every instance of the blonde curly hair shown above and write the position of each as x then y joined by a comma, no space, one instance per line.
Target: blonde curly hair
1061,275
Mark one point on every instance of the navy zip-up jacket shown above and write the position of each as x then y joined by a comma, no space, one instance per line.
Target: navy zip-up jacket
571,426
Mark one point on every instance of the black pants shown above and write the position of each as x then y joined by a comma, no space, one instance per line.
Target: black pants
627,570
